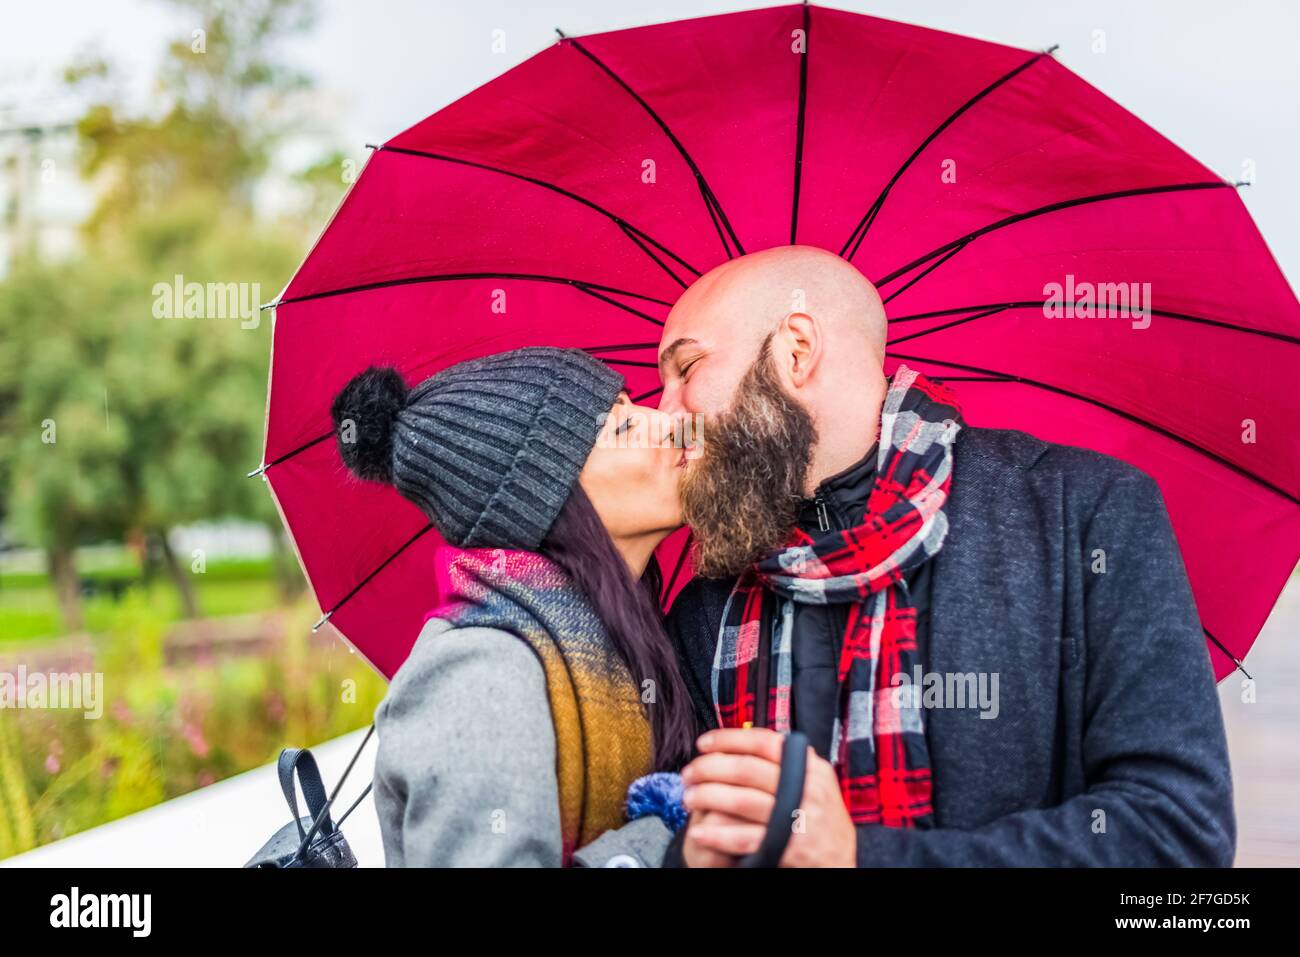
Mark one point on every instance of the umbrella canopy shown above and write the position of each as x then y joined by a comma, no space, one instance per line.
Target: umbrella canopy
1069,270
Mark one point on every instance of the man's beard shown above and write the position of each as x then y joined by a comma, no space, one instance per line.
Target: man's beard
741,497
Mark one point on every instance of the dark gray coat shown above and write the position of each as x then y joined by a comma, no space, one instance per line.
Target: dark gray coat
1108,747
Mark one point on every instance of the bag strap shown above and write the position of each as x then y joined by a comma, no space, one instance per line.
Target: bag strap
300,760
322,819
789,795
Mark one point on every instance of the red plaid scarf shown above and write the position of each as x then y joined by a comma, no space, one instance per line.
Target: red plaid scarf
878,747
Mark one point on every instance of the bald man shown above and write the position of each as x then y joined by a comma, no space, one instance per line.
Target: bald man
989,640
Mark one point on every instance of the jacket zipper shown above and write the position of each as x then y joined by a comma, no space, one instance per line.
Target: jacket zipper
823,517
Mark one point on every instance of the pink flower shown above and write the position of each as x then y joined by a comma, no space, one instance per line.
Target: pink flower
275,707
194,736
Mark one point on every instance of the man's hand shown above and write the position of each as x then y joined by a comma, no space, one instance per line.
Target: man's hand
696,854
730,792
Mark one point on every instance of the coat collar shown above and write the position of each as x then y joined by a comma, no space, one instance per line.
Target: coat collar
843,494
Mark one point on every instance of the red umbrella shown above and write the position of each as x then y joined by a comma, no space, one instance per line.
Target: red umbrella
1072,272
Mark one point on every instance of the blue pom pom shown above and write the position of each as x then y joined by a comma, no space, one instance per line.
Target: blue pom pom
658,795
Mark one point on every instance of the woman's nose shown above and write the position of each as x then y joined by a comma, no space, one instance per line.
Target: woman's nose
666,428
660,426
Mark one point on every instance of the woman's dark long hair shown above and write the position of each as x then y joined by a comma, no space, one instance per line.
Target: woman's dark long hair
580,544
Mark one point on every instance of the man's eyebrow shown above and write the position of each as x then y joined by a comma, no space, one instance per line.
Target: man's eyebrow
667,354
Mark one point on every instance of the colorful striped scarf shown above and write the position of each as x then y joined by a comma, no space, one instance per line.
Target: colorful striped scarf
878,745
602,737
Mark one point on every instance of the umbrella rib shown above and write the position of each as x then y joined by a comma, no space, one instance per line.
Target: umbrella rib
971,378
1137,420
799,126
631,362
710,198
992,311
638,399
627,231
457,277
365,581
621,347
620,305
992,308
963,241
923,273
290,454
619,221
717,224
869,217
1233,658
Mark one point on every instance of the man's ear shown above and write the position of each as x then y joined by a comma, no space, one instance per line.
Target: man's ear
802,343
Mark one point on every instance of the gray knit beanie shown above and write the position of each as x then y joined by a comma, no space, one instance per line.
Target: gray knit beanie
489,448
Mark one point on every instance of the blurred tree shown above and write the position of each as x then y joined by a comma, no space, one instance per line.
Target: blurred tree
131,414
62,457
224,94
322,184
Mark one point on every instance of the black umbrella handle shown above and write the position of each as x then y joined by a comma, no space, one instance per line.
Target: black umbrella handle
789,795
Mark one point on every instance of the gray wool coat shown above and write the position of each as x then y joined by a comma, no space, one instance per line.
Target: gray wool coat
465,768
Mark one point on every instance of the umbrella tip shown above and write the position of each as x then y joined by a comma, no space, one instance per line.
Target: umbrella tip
1242,182
323,618
260,470
561,34
1052,49
268,305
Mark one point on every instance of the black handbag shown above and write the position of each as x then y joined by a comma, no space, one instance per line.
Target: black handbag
314,840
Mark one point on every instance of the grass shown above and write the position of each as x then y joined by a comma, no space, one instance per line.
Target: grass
30,611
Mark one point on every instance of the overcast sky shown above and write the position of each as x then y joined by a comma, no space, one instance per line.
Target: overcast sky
1221,79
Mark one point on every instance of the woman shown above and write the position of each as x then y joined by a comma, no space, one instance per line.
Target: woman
543,683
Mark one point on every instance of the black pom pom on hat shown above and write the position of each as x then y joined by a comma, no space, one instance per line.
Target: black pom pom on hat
365,414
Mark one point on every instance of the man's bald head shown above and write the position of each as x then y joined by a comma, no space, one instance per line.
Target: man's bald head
807,298
749,296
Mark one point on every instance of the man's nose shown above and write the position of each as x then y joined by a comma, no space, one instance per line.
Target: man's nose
670,403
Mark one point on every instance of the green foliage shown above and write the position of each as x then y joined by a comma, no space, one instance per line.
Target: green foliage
323,184
124,413
222,94
168,730
123,420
